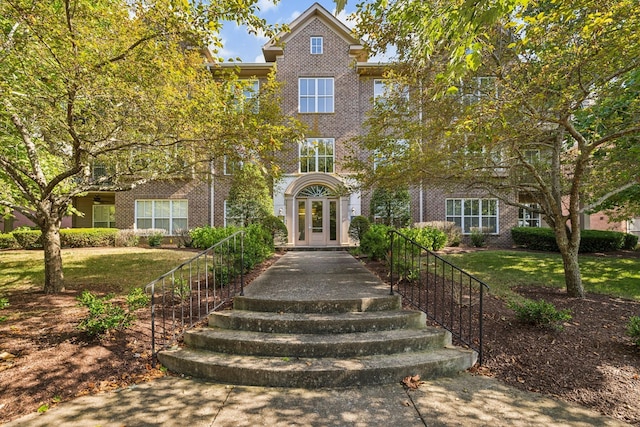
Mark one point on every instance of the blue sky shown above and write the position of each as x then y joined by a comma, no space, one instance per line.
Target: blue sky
238,44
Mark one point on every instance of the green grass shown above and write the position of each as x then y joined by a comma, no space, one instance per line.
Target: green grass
503,269
99,270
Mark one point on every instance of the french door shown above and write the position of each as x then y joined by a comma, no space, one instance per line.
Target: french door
317,223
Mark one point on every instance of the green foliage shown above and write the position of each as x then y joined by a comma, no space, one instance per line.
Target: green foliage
127,238
205,237
105,316
375,242
7,241
87,237
184,238
427,237
258,245
633,329
276,227
450,229
181,288
358,227
155,239
249,197
4,303
630,242
543,239
28,239
478,237
539,313
391,207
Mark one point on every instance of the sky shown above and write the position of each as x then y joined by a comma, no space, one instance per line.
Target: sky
238,44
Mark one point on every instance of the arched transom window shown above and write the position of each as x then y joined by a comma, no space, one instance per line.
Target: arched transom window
316,191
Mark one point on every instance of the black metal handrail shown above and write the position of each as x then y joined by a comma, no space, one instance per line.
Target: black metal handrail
449,296
183,296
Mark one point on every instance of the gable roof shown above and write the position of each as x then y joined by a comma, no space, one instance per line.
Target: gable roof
275,47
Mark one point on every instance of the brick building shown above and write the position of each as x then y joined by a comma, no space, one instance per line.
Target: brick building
329,85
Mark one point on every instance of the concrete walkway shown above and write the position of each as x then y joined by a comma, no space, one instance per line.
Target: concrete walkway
464,400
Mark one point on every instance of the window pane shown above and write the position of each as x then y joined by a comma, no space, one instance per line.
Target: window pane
162,223
143,223
178,225
179,209
144,208
162,209
301,220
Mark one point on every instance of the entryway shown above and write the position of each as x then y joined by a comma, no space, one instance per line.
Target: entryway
316,222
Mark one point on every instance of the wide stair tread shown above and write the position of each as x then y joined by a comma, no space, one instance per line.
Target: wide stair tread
316,372
317,323
317,345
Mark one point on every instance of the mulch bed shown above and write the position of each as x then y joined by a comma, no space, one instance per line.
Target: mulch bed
591,362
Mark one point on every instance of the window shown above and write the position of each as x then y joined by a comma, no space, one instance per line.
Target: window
231,220
244,92
315,95
316,155
383,89
104,216
170,215
231,165
316,45
395,148
479,88
471,214
529,218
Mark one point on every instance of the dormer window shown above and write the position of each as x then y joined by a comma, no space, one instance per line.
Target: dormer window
316,45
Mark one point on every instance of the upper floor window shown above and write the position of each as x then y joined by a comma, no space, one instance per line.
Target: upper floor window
383,88
473,214
245,93
316,45
317,155
485,87
231,165
315,95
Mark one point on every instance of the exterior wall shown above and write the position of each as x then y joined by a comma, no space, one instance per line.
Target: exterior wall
85,205
195,191
18,220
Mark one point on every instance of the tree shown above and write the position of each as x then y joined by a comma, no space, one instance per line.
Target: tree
249,197
391,206
118,83
555,122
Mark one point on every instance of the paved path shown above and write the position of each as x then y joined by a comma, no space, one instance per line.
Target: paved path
464,400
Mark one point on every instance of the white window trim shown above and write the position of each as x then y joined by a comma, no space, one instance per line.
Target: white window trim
171,231
316,156
226,170
533,216
316,95
321,45
480,217
226,215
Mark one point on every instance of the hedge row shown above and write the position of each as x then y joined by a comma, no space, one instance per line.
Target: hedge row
7,241
69,238
544,239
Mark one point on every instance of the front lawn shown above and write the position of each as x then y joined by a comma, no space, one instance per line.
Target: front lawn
609,274
99,270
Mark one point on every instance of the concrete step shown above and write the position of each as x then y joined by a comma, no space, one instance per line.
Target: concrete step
316,372
280,305
317,323
316,345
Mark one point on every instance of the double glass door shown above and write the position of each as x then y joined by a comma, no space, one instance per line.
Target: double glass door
317,222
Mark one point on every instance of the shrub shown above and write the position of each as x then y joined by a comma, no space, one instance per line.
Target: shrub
543,239
358,227
478,237
539,313
630,242
106,316
205,237
87,237
155,239
633,329
450,229
375,241
7,241
276,227
127,238
4,303
28,239
427,237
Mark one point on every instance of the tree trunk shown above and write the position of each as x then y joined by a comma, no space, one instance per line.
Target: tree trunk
53,275
572,277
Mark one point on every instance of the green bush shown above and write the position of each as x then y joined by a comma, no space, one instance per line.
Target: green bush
276,227
633,329
450,229
630,242
375,242
205,237
539,313
87,237
543,239
28,239
7,241
427,237
478,237
106,316
155,239
358,227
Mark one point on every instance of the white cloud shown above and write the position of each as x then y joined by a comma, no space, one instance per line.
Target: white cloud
345,18
259,59
266,5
